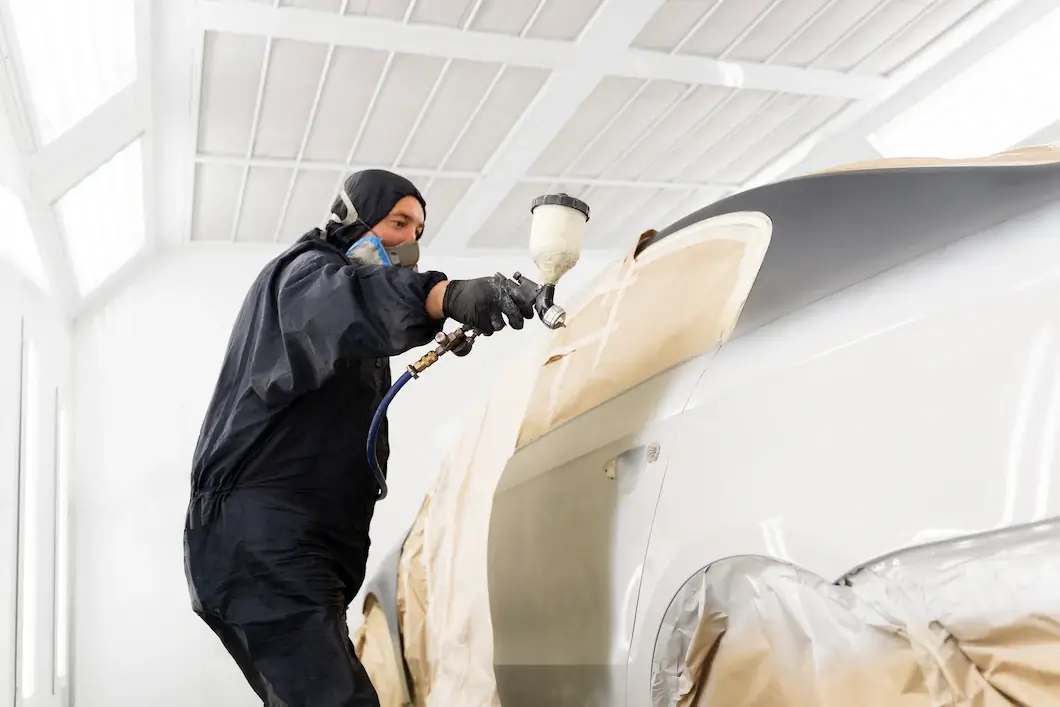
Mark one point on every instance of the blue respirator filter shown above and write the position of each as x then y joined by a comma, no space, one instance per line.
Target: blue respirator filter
368,251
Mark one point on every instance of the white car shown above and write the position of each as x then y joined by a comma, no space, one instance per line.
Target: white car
798,448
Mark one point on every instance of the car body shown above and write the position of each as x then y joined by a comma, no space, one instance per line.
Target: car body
886,381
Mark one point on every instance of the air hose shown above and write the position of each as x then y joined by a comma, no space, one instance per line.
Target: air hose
373,432
459,341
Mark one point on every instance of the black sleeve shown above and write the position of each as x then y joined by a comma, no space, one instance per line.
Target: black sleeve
330,314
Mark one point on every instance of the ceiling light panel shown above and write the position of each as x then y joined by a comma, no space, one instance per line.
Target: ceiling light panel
103,219
76,56
1001,99
17,243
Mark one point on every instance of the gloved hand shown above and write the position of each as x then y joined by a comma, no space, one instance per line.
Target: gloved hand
481,302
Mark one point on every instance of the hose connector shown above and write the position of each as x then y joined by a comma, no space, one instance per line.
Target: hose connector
458,341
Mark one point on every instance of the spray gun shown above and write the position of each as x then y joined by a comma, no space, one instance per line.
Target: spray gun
557,228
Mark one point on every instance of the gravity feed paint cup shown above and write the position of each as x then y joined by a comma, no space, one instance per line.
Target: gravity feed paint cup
556,233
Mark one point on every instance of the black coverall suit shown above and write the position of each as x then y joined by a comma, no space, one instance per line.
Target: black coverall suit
276,535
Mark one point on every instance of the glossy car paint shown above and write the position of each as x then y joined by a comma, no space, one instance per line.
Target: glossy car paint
911,396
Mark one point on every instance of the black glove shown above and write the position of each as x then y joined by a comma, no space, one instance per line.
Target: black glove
481,302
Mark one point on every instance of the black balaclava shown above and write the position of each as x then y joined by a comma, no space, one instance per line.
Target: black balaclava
373,192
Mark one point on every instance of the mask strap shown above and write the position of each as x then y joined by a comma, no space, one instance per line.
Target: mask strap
351,214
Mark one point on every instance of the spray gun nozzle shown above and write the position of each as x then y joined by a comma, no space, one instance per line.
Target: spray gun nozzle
551,314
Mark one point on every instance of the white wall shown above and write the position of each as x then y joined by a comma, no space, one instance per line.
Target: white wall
145,367
34,378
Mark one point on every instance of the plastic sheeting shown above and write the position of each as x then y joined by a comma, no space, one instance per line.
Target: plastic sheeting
631,326
973,622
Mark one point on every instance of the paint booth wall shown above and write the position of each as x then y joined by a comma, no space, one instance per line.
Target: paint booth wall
34,516
145,367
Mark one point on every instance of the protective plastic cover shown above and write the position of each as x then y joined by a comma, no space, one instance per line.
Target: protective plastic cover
963,623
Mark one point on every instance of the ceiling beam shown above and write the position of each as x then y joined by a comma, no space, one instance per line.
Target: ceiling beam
554,55
66,162
176,36
609,34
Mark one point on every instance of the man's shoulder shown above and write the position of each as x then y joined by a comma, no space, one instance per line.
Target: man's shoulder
303,256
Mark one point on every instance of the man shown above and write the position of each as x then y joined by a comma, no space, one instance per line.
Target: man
276,536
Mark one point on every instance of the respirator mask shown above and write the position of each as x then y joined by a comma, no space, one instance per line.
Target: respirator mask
369,249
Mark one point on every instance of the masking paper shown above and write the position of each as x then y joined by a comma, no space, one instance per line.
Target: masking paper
1024,156
634,323
973,622
371,642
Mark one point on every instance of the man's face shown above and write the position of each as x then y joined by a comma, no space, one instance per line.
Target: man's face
403,223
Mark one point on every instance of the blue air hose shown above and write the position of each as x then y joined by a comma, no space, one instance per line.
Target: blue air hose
373,432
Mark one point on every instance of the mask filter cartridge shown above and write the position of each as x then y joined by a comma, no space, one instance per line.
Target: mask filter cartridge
368,251
371,251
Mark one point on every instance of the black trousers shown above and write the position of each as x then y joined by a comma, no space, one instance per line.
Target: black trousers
278,607
309,662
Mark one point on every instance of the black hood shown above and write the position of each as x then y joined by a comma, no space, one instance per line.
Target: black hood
374,192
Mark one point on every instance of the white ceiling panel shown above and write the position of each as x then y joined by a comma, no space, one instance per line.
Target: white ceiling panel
725,26
311,197
763,151
441,196
601,106
776,29
706,165
870,36
936,18
716,127
671,132
621,225
333,6
348,91
541,19
625,126
861,40
216,191
463,86
386,9
448,13
561,19
672,22
265,193
510,96
504,16
405,90
290,86
231,74
509,226
828,29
